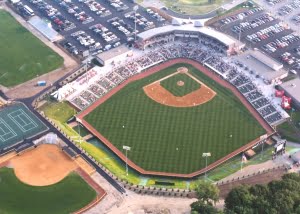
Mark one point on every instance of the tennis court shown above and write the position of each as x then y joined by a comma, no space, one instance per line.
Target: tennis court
17,123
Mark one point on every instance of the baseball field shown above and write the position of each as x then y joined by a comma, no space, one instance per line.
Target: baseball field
67,196
18,62
172,139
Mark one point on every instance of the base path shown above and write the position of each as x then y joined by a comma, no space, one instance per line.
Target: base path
45,165
161,95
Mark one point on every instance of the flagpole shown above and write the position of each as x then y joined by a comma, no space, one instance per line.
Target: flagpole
242,165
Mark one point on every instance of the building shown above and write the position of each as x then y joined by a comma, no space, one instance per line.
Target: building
266,60
110,55
171,32
263,66
44,28
292,89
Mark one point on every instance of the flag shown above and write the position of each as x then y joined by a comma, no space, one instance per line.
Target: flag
244,158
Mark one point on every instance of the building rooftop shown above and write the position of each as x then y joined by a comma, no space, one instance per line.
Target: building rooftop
43,27
260,68
268,61
112,53
225,39
293,88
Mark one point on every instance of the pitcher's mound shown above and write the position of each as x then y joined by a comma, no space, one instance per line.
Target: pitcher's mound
42,166
180,83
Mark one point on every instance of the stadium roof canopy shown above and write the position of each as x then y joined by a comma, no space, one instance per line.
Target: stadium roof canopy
43,27
225,39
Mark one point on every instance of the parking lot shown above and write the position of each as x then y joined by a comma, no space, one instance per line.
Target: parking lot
91,27
261,30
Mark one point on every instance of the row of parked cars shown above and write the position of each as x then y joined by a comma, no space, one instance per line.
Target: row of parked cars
155,15
273,2
140,20
296,19
118,5
77,12
60,21
283,42
265,33
96,7
288,8
104,33
121,26
251,24
236,17
290,59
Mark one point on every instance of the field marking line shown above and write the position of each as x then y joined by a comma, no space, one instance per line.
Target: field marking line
9,128
13,118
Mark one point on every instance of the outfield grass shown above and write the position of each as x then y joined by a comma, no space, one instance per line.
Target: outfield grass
171,84
112,163
22,56
60,113
155,131
67,196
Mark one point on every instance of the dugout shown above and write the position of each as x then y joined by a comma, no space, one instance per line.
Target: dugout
70,152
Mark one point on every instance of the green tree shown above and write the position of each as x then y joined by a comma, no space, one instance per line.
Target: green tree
239,200
203,208
278,197
207,192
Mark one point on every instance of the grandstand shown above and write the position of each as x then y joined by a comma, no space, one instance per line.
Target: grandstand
17,123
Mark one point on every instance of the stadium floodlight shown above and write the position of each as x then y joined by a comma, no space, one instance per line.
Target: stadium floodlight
240,31
206,155
126,148
135,8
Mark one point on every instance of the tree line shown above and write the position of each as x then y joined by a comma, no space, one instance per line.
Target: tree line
276,197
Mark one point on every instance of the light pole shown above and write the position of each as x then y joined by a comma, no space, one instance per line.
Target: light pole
206,155
240,31
262,149
135,8
126,148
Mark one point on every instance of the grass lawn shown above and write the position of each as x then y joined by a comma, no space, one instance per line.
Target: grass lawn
290,130
193,7
155,131
67,196
60,111
171,84
22,56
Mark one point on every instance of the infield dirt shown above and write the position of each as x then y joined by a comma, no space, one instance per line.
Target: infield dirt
160,95
42,166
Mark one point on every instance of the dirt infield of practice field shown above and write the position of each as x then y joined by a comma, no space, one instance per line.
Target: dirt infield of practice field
45,165
161,95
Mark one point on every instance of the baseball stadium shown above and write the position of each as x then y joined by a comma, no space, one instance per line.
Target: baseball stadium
172,113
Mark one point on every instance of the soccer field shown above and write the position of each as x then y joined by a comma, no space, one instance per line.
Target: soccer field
171,139
22,56
65,197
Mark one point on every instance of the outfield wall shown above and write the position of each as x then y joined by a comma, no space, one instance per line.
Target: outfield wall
152,70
